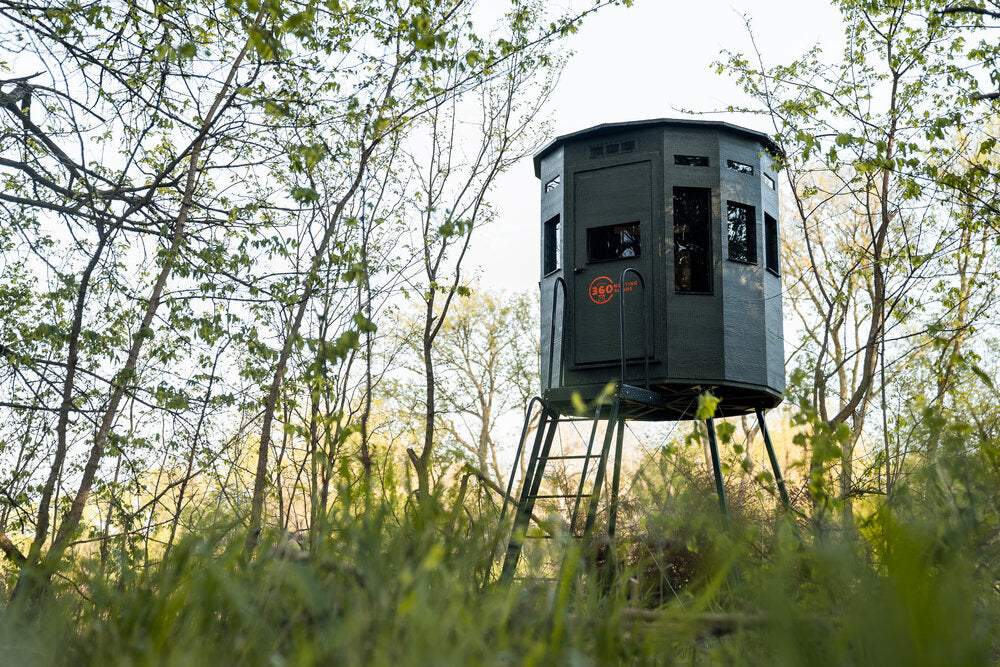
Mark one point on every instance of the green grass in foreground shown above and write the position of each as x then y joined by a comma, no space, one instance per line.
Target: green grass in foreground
411,588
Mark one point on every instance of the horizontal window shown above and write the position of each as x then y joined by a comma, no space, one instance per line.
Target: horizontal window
741,167
691,160
613,242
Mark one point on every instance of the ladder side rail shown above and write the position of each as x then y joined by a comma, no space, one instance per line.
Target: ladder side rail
517,454
602,466
616,478
529,492
586,465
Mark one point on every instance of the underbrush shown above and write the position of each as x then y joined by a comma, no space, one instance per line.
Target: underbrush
408,585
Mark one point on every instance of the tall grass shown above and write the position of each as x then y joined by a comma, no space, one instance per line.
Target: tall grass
393,583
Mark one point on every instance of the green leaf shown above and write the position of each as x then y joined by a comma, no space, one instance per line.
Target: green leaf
707,403
304,195
981,374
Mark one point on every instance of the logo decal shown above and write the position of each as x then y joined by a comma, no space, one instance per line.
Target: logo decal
601,290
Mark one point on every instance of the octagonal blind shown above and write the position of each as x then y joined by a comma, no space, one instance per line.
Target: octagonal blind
660,252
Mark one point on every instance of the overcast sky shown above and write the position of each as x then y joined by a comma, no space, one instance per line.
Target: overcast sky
652,60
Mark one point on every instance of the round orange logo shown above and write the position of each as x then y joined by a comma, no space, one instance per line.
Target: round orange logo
601,289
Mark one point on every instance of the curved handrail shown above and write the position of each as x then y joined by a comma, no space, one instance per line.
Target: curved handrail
552,331
645,325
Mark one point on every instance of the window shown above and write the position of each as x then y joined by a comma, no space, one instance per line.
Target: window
741,167
691,160
596,151
770,182
692,239
553,183
613,242
772,250
551,246
742,233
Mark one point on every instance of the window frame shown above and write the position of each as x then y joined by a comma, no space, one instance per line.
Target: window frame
771,233
750,242
691,160
590,242
552,244
707,232
740,167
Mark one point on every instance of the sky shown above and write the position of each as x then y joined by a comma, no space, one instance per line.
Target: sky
652,60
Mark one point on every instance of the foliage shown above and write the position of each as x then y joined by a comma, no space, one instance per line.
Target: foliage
397,583
212,214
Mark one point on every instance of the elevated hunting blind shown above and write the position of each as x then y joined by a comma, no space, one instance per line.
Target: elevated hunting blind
691,209
660,281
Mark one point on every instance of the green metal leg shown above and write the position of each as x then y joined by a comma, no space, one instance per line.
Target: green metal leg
779,480
616,479
720,489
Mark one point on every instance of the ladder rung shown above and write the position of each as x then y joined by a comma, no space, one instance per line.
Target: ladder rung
574,456
538,537
558,495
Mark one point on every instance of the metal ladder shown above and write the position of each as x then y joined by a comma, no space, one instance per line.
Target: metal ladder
531,486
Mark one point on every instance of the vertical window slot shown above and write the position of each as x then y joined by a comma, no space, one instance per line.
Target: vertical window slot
742,232
772,247
692,239
551,246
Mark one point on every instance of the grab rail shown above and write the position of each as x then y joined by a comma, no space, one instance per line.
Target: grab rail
552,331
645,325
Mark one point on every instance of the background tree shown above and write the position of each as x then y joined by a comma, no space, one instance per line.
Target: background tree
453,170
873,151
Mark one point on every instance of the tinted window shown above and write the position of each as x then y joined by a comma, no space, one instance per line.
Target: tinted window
772,250
613,242
742,232
692,239
691,160
741,167
551,245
